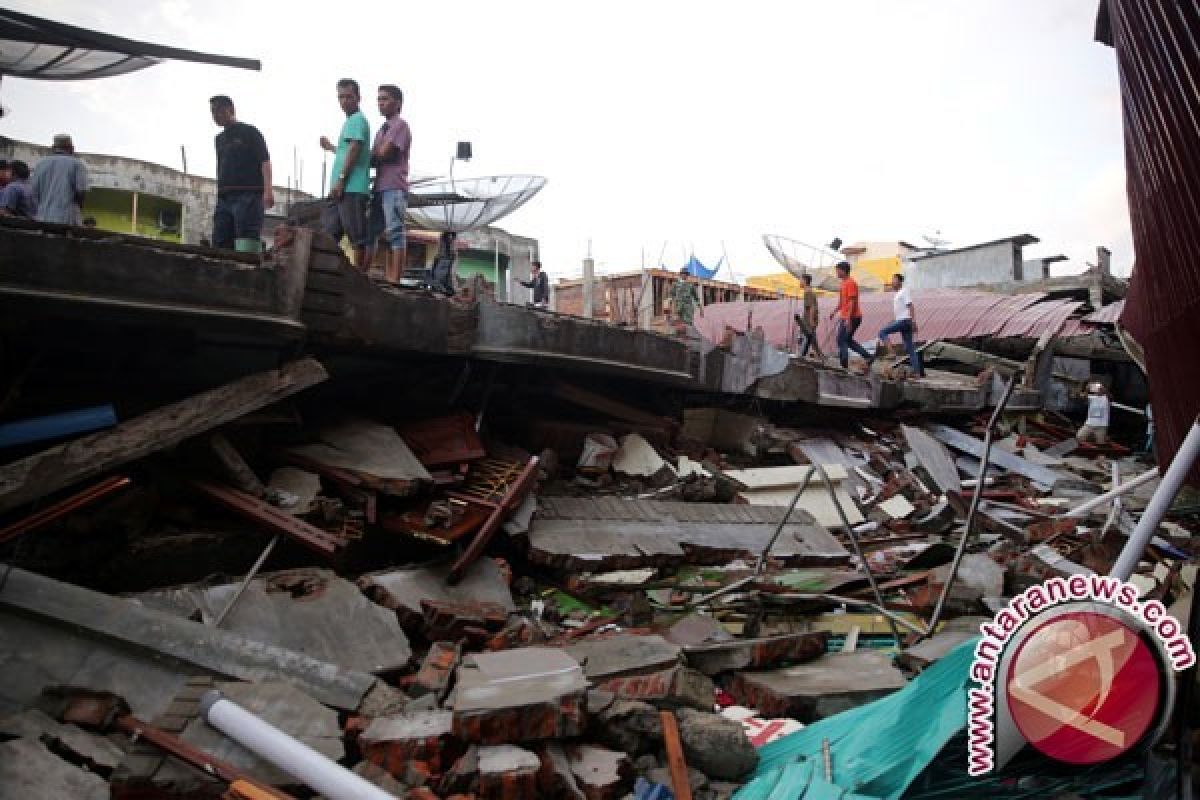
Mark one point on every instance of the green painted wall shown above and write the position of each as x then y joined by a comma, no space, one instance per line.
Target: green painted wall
113,210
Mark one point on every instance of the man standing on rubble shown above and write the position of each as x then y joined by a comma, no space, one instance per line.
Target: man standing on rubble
540,285
849,317
59,184
389,154
904,323
244,179
1095,429
683,298
16,199
808,322
350,179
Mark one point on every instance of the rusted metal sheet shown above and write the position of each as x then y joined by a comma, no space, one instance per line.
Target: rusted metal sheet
1159,69
320,541
63,507
444,441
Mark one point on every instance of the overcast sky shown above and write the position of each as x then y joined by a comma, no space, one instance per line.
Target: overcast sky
660,126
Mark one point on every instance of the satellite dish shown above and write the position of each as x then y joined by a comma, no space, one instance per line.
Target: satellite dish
935,241
457,206
799,258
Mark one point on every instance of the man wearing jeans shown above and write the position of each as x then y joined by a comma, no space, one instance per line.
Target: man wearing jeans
389,154
849,317
350,179
244,178
905,324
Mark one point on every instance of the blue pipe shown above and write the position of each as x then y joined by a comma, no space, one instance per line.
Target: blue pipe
55,426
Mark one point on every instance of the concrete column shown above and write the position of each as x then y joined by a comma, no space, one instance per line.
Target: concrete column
589,302
1103,269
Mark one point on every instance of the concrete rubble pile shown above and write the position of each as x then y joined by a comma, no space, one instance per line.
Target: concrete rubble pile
629,605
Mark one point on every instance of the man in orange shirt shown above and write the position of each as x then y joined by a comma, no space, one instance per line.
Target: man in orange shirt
849,317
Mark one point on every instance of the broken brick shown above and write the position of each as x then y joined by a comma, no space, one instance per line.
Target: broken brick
446,620
436,670
507,772
670,688
394,742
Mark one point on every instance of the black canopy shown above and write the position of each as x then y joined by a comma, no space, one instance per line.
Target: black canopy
32,47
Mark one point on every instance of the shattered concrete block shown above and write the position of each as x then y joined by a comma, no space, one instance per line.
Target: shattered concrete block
97,752
555,778
716,746
602,774
765,653
394,742
403,590
624,654
671,688
819,689
444,619
631,726
518,696
436,670
507,772
463,775
28,771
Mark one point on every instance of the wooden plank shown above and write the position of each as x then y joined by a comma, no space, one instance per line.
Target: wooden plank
931,455
680,785
61,466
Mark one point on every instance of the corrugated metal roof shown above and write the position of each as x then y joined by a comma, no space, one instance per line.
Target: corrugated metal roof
1156,47
1107,315
940,313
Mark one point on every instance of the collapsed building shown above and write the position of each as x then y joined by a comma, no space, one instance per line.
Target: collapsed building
272,529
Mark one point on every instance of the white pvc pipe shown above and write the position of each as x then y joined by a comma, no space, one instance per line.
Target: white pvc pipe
1113,493
295,758
1164,495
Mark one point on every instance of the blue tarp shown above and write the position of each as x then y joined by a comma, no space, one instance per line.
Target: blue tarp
877,749
698,270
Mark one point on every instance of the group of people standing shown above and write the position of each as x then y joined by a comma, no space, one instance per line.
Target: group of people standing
52,191
849,319
355,207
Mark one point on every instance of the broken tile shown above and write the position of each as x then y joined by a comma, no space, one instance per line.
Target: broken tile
819,689
518,695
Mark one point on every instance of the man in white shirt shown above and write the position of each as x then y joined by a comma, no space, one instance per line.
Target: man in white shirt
1095,429
905,324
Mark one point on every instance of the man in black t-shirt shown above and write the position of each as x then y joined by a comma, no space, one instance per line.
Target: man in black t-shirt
244,191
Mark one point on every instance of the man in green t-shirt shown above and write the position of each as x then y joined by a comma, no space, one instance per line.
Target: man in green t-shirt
350,180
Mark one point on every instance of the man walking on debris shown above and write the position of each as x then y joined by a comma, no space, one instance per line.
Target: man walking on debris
244,180
808,321
1095,429
389,155
849,317
540,285
350,179
683,298
905,323
59,184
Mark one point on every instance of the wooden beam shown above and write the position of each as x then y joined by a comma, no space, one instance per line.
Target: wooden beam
680,785
61,466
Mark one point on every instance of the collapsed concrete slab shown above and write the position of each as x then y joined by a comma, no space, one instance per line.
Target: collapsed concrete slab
507,772
592,534
28,771
519,695
99,753
393,742
821,688
374,454
53,633
405,590
304,610
614,656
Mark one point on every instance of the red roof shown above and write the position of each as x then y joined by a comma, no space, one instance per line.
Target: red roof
940,313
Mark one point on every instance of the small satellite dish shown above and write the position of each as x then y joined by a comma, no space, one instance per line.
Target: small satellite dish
457,206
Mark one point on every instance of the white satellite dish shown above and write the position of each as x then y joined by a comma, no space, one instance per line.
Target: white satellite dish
799,258
460,205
